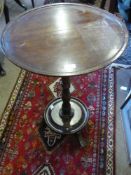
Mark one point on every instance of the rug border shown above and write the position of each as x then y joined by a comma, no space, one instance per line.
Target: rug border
113,156
115,96
11,100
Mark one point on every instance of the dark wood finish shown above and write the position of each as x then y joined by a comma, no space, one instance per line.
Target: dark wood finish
66,107
2,71
103,3
66,112
6,13
112,5
64,39
33,4
21,4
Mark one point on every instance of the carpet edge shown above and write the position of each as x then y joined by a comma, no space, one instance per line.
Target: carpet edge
11,101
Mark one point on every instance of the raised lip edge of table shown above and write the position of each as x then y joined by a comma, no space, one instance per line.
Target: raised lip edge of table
34,70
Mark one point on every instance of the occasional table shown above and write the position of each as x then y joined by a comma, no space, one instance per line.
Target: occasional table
64,39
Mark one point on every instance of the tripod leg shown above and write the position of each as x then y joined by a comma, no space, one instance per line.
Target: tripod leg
103,2
6,13
2,71
33,4
20,4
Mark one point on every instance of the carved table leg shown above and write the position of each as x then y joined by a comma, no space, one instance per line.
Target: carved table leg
66,112
66,115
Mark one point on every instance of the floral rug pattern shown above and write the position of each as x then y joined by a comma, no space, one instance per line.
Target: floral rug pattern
27,148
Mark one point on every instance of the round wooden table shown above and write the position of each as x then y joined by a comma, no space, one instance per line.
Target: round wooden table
65,39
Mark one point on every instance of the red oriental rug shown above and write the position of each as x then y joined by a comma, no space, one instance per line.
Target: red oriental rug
29,148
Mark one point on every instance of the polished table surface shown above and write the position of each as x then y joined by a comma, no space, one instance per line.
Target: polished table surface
64,39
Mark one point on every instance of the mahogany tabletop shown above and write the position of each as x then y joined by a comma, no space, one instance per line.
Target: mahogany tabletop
64,39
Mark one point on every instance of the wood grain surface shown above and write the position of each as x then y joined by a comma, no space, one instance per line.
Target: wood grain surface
64,39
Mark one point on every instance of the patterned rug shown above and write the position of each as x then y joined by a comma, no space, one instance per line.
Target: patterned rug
29,148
